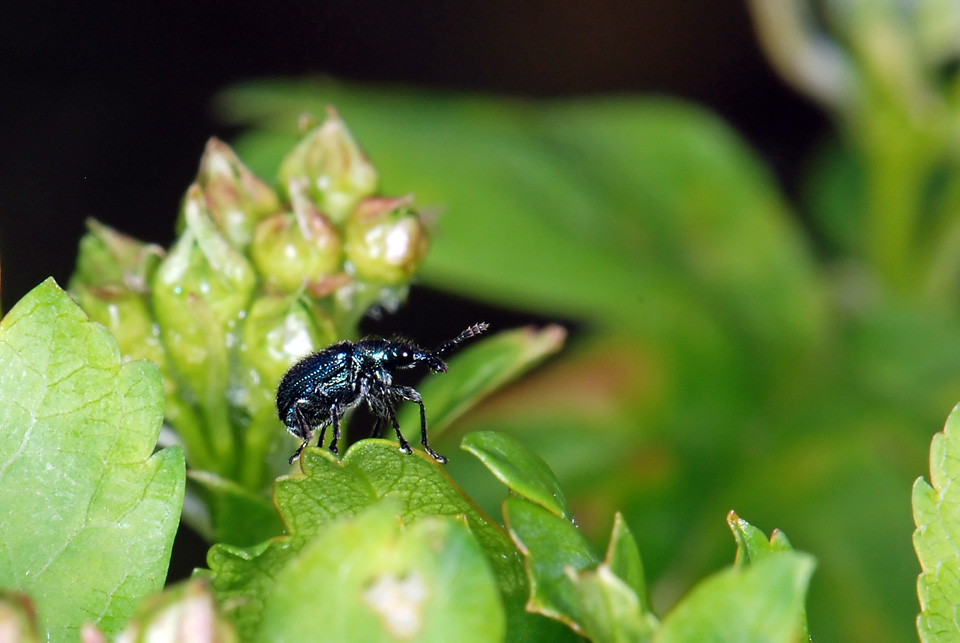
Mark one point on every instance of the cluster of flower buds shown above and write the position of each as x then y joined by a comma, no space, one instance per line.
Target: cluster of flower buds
256,279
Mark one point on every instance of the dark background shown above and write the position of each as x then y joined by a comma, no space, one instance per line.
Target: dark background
105,110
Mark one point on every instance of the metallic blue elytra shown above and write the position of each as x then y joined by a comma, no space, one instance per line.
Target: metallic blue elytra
320,388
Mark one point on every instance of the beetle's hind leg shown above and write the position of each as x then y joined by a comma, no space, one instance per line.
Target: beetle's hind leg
296,454
336,430
304,431
409,393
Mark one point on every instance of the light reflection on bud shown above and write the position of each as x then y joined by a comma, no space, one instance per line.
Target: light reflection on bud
386,241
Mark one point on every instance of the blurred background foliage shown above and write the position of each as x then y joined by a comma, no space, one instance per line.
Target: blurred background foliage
784,344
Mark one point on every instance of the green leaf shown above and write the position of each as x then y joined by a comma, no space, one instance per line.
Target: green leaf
623,559
752,544
371,471
569,583
230,514
610,610
833,194
936,511
552,546
760,602
519,468
88,515
478,371
243,577
373,578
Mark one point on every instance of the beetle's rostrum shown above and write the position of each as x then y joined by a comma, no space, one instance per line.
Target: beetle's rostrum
320,388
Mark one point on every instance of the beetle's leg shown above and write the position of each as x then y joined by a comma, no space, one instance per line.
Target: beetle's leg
296,453
336,428
304,427
409,393
376,427
404,446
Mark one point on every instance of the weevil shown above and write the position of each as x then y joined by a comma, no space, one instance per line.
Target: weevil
320,388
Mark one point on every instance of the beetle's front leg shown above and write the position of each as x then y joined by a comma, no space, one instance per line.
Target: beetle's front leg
409,393
404,445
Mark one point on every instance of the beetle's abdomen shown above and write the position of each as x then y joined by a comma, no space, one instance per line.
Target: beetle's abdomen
322,376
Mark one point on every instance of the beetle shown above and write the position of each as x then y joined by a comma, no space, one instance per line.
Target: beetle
320,388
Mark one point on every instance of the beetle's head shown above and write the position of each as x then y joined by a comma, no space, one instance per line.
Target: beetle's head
408,356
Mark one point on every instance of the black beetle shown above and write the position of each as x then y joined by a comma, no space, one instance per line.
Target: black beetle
321,387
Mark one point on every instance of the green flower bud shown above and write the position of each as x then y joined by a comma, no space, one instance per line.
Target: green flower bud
331,164
111,285
290,250
278,331
108,257
185,613
385,241
18,620
199,293
235,197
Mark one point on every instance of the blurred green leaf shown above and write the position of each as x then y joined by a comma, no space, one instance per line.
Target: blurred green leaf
760,602
88,514
519,468
479,370
372,578
936,511
833,194
231,514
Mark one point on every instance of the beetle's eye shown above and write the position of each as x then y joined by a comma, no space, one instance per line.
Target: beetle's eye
404,354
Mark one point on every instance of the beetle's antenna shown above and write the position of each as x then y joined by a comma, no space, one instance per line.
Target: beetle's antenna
473,331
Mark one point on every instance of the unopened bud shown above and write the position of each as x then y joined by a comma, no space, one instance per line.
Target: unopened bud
336,172
290,250
235,197
184,613
280,330
199,292
108,257
18,620
385,241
